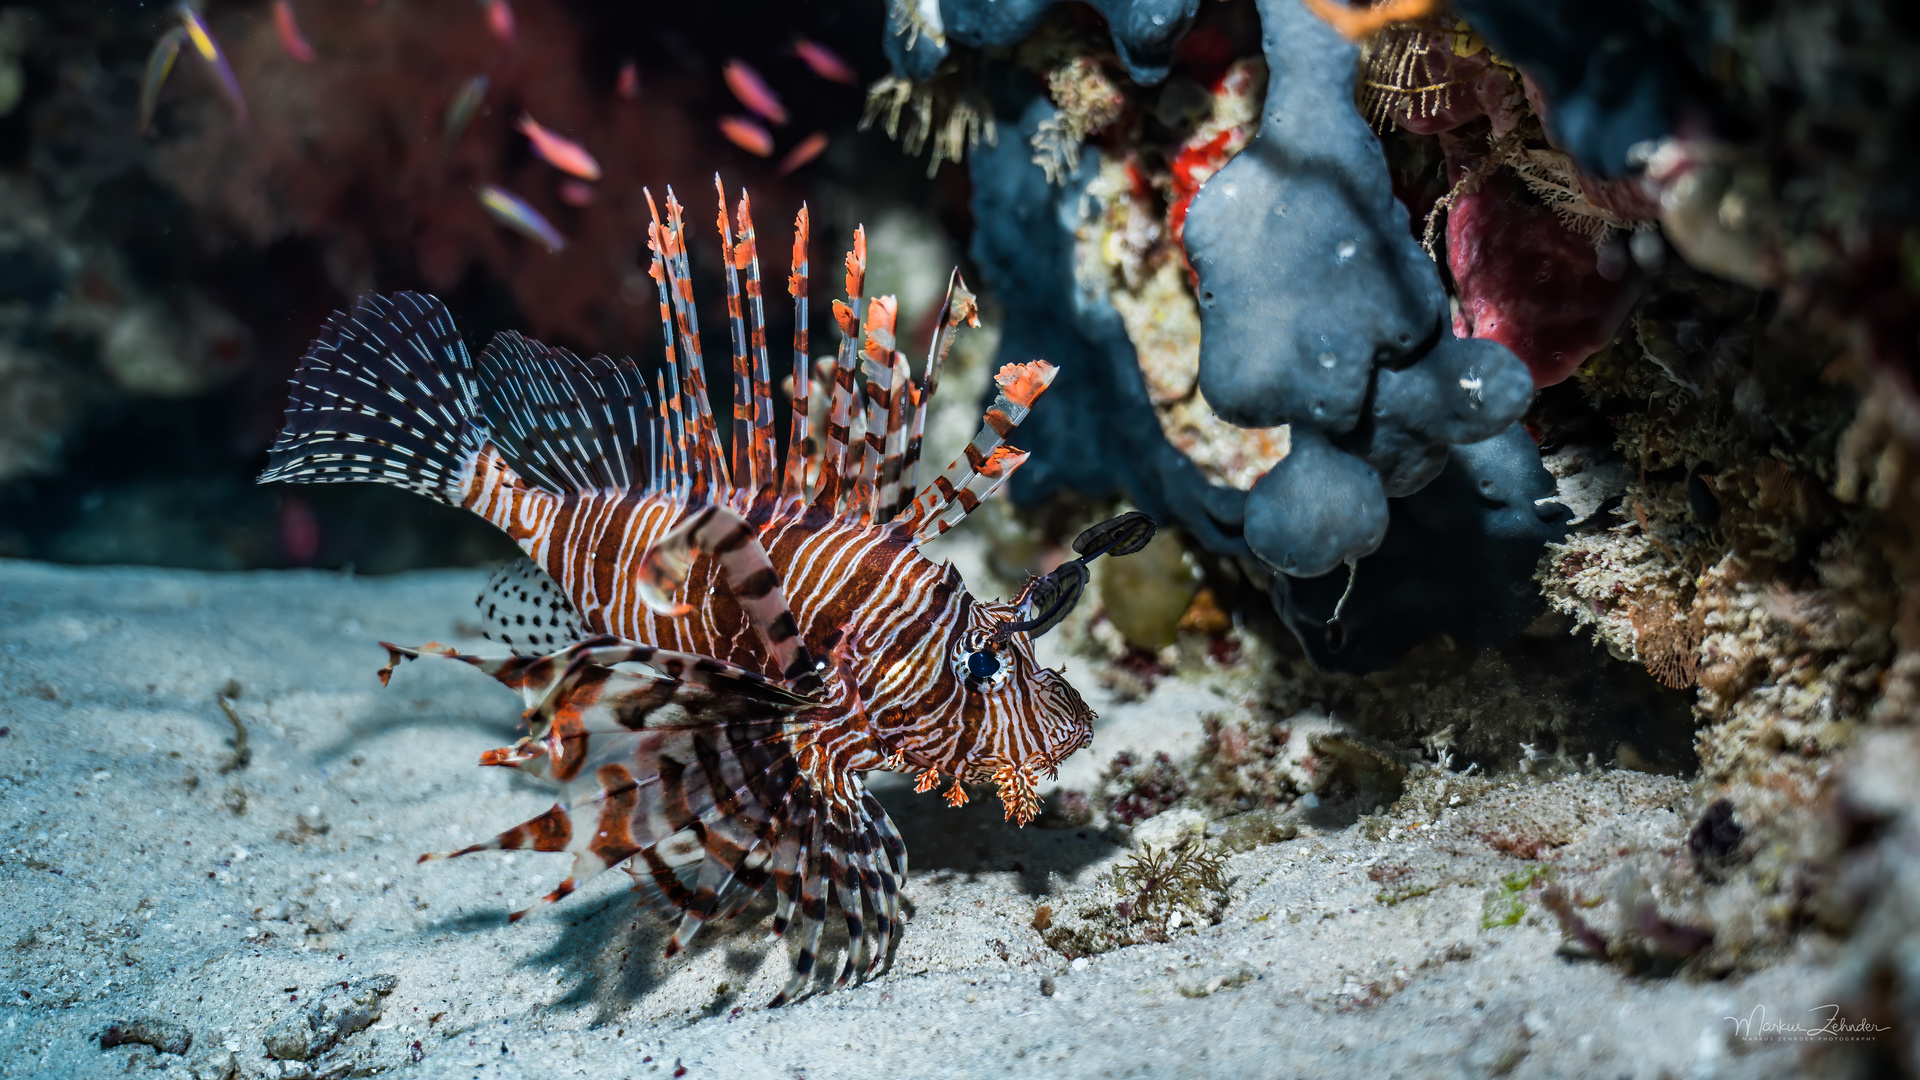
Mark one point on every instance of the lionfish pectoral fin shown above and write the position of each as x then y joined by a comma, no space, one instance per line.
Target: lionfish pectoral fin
512,756
725,535
588,863
560,892
550,831
398,653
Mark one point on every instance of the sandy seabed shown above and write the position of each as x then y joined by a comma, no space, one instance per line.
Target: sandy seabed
153,881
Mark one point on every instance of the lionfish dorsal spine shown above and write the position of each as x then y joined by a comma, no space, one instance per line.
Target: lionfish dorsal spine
901,397
876,362
956,310
742,427
794,483
831,495
988,462
765,463
672,274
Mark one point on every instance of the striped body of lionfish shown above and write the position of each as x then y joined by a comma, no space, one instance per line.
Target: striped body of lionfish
717,749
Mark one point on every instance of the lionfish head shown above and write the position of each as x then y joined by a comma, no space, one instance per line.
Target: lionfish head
1043,716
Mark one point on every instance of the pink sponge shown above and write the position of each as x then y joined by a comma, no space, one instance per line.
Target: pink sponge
1528,282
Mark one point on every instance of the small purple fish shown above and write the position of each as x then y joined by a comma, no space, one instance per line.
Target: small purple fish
512,211
216,60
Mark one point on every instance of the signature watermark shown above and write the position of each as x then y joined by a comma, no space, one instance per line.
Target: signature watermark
1823,1023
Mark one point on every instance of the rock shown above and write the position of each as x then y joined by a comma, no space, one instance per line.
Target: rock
330,1018
1255,828
164,1036
1146,593
1169,829
291,1039
218,1065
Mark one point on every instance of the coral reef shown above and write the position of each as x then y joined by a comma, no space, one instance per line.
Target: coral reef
1457,560
1264,453
1025,244
919,32
1608,79
1147,898
1356,329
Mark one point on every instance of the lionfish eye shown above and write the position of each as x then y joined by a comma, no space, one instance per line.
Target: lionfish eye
983,665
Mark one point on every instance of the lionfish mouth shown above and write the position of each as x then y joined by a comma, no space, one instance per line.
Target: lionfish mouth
1079,723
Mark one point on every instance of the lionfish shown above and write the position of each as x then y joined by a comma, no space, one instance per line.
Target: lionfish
716,747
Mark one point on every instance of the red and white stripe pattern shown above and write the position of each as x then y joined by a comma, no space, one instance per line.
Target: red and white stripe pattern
800,637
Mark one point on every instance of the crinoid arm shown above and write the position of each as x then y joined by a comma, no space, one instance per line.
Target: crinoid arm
688,776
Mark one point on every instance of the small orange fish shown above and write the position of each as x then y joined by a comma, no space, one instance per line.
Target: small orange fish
744,133
753,91
628,85
499,20
825,62
561,153
809,148
291,40
512,211
576,193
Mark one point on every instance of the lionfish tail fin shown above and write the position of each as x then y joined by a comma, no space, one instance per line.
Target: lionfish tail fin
386,393
988,463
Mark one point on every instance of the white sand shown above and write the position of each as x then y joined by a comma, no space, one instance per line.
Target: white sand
131,888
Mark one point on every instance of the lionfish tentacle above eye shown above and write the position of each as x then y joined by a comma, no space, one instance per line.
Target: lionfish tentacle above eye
701,745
